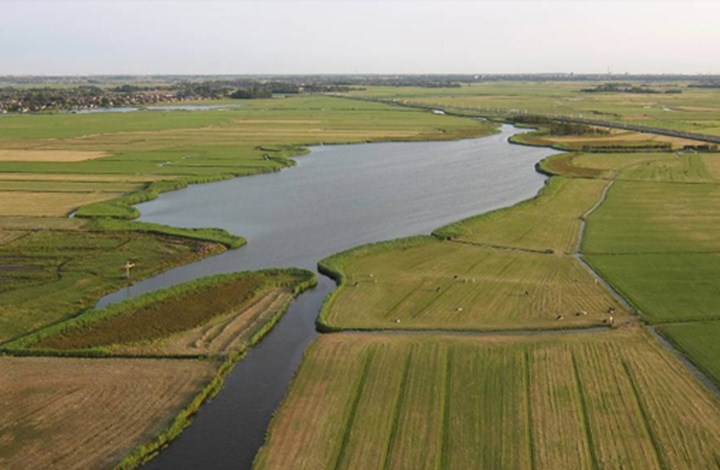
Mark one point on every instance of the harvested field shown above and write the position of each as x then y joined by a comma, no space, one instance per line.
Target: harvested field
616,161
603,400
628,142
25,223
712,165
221,335
431,284
49,155
687,168
44,204
620,137
68,186
81,178
510,269
82,413
278,121
156,320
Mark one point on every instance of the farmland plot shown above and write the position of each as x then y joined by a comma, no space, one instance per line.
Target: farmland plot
581,400
87,413
431,284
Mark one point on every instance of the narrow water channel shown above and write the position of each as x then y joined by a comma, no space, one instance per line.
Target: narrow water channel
335,198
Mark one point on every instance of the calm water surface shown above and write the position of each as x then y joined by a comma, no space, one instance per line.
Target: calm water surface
159,107
335,198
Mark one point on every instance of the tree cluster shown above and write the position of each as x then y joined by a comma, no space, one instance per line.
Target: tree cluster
628,88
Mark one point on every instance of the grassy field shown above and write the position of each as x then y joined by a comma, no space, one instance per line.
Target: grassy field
433,284
658,243
48,276
550,221
607,400
694,110
220,314
510,269
699,341
614,141
655,239
82,413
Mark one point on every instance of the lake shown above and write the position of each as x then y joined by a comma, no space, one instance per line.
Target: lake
336,198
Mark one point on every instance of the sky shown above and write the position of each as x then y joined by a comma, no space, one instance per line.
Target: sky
58,37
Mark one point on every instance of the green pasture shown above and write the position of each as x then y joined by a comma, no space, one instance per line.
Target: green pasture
50,275
656,218
426,283
549,222
693,110
699,341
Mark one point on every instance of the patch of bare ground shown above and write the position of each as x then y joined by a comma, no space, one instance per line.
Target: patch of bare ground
47,204
88,413
49,155
82,178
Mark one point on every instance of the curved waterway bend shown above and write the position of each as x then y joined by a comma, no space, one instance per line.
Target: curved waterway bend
335,198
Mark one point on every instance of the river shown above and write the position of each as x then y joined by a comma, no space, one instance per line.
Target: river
338,197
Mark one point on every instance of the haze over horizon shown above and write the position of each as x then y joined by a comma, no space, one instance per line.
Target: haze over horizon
42,37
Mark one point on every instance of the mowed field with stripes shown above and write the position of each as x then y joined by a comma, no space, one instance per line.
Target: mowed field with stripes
510,269
580,400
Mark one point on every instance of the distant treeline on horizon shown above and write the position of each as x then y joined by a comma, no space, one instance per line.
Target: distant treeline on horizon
23,94
349,79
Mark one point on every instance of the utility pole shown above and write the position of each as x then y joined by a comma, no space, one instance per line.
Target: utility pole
128,266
